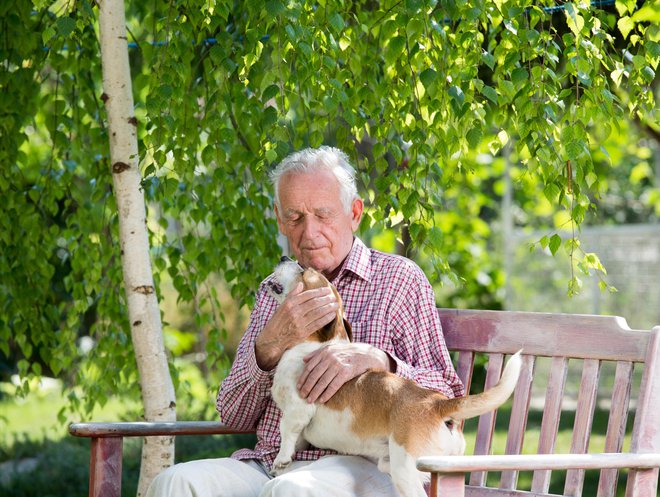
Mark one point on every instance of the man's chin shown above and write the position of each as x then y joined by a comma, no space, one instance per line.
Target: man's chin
321,264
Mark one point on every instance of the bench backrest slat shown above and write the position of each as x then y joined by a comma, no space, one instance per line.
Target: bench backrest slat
584,416
616,425
486,426
464,367
550,422
518,419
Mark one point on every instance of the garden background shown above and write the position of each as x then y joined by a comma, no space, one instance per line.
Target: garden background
511,148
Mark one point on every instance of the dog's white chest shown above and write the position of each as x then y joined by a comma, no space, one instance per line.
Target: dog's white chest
291,365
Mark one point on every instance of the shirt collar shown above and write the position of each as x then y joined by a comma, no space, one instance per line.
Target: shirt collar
357,262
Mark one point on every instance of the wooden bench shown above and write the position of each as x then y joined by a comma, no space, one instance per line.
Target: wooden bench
553,340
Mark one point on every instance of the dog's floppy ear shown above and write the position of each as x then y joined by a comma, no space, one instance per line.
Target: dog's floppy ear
349,329
338,327
341,319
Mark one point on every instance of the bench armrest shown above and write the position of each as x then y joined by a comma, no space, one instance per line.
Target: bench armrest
531,462
150,429
108,439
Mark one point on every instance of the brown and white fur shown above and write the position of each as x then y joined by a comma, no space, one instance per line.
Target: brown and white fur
378,415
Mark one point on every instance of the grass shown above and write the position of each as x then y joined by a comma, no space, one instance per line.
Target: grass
30,428
35,418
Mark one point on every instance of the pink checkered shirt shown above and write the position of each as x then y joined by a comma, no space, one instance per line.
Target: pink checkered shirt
389,303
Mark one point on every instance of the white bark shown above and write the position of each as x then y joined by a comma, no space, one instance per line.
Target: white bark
146,327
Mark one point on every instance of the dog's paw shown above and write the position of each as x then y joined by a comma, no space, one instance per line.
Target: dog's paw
384,465
280,466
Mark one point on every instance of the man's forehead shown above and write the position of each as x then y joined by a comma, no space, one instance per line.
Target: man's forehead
305,209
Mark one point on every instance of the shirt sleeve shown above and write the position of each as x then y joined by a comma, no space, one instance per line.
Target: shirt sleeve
244,393
421,352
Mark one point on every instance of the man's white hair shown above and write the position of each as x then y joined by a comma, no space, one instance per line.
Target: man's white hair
319,159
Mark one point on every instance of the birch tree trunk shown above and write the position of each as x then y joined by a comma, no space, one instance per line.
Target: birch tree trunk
146,327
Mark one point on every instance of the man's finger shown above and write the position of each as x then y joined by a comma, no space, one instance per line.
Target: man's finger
336,383
301,297
320,385
311,379
296,290
318,317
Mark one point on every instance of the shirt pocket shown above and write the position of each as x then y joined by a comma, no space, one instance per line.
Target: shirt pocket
374,332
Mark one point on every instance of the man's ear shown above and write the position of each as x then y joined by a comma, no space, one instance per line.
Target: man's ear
280,224
357,207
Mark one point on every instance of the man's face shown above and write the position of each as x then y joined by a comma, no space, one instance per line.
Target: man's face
312,217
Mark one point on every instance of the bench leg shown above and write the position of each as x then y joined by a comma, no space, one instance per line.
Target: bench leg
449,485
105,467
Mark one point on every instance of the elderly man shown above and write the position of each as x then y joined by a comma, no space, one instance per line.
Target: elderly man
391,308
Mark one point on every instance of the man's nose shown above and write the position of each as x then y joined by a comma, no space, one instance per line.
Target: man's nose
310,227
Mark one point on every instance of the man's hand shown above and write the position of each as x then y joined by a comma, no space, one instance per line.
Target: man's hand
328,368
300,315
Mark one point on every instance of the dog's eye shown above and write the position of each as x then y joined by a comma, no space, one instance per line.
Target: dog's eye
449,423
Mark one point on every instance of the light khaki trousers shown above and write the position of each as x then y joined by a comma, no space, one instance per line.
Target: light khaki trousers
331,476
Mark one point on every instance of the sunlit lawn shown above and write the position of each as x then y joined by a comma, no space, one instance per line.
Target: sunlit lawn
35,418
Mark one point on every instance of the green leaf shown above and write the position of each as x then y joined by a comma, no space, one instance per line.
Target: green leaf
574,21
457,98
474,137
554,244
394,48
165,91
488,59
305,48
551,192
647,13
435,237
336,22
270,92
47,34
428,77
648,74
625,25
274,8
65,26
291,33
519,75
271,155
490,93
544,241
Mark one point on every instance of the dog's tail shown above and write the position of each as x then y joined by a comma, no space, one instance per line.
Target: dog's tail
476,405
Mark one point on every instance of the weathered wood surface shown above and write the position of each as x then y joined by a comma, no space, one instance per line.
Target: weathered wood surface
144,429
550,421
543,334
531,462
105,467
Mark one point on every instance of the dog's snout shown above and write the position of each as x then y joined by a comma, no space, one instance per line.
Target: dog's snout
286,258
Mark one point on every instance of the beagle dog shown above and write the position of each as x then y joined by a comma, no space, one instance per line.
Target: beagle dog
378,414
